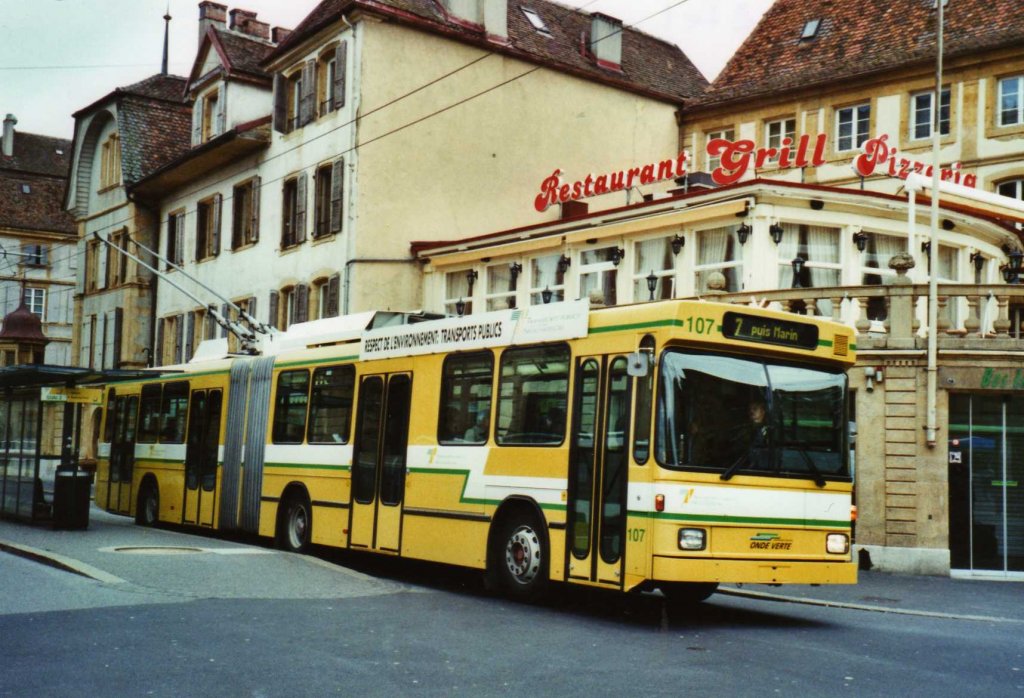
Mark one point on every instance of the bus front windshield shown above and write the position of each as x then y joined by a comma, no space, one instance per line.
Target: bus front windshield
730,415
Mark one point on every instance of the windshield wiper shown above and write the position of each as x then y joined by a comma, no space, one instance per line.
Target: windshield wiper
819,479
731,470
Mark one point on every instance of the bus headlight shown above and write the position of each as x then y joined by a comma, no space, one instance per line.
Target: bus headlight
837,543
692,539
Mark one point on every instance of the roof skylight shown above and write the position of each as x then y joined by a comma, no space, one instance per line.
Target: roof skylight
810,29
535,20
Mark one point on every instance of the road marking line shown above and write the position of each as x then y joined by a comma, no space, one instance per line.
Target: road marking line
60,562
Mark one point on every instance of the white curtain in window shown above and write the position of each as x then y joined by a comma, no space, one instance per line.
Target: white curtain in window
823,246
787,251
713,246
886,246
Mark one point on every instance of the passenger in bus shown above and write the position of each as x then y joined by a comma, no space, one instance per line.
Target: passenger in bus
758,433
478,432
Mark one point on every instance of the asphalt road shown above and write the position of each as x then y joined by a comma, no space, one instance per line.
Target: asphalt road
197,617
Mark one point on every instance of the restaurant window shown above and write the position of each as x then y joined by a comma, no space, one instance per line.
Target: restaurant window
852,126
729,135
777,131
875,271
653,257
599,274
818,246
501,286
458,293
718,250
1011,101
921,116
547,277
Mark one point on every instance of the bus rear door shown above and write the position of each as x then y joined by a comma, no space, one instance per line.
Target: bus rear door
598,471
122,454
378,461
202,446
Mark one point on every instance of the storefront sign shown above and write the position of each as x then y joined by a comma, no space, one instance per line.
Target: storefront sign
981,378
878,152
554,191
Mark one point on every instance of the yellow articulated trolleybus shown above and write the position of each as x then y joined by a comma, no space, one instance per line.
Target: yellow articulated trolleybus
670,445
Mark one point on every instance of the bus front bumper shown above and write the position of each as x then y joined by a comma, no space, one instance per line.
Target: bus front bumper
674,569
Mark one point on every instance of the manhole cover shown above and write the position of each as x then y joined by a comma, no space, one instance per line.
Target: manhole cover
157,550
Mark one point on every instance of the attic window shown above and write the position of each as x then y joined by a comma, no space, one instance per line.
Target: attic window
535,20
26,189
810,30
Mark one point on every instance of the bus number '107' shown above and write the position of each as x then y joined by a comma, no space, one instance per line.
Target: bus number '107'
700,325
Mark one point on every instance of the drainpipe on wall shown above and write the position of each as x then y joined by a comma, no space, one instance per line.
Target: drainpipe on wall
931,427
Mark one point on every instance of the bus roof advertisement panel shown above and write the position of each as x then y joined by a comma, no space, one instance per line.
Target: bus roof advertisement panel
538,323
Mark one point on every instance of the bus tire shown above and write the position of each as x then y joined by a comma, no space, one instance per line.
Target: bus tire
147,508
295,523
519,559
682,594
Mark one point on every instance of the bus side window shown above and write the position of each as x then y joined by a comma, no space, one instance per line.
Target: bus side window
533,395
290,407
644,403
173,409
330,410
465,409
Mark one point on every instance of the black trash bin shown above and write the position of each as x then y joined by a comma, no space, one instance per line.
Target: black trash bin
71,489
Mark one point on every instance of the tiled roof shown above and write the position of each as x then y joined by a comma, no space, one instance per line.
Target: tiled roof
648,64
857,39
159,86
39,154
40,208
152,133
245,54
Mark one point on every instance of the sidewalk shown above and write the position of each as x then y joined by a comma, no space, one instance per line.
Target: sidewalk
109,551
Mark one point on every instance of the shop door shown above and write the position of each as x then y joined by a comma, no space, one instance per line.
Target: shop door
378,461
986,480
122,454
201,449
598,471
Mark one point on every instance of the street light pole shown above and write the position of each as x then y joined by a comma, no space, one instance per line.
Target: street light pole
931,427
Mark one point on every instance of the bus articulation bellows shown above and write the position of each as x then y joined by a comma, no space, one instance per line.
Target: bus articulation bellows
671,445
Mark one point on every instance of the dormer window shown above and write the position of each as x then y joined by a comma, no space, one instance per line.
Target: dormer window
211,127
810,30
110,162
536,21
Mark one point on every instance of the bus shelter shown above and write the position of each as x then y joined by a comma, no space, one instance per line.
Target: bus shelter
41,435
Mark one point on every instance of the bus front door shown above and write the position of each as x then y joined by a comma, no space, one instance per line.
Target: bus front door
378,461
122,454
598,472
201,450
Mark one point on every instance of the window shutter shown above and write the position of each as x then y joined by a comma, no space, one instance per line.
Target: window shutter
221,117
215,233
157,357
179,330
179,240
337,191
197,122
340,60
102,256
301,303
333,286
300,208
274,299
225,311
190,334
280,103
307,93
118,326
251,308
255,205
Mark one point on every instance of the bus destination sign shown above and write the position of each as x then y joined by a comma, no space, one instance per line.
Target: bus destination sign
766,330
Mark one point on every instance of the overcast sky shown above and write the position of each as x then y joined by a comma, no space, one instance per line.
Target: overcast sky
58,56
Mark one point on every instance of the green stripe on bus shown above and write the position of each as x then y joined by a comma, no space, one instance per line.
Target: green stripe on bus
746,520
308,466
637,326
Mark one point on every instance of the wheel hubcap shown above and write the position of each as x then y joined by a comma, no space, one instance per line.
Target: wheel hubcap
297,526
523,554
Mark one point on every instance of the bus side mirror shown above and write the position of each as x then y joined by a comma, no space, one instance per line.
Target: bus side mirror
639,363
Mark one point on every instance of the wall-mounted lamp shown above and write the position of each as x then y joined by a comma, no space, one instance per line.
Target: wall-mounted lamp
514,270
652,283
563,264
546,294
460,307
860,240
872,375
742,233
978,260
776,231
471,276
677,244
798,267
926,247
1011,271
617,254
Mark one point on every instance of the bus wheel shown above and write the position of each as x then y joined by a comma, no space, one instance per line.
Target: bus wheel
147,509
295,524
682,594
521,559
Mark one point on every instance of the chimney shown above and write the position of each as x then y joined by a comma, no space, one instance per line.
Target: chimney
464,10
496,18
8,146
280,34
245,21
211,14
606,40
